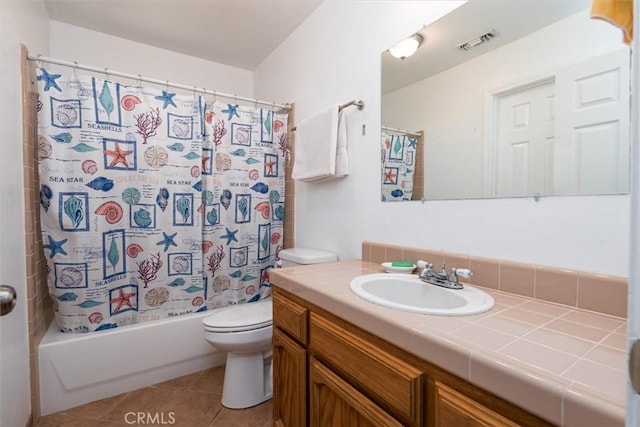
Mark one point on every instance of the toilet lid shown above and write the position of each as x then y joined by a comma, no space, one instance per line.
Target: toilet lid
242,317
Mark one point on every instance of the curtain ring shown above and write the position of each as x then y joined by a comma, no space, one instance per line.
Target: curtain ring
75,70
139,80
194,92
235,98
106,72
167,85
39,62
215,96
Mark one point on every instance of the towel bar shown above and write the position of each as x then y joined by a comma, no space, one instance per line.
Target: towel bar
359,104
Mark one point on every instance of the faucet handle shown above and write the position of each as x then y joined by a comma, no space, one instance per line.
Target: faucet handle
464,272
424,264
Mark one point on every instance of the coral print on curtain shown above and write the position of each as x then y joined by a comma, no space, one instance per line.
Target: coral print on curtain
242,200
398,166
120,192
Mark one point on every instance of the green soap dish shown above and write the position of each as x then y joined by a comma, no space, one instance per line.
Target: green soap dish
399,267
402,264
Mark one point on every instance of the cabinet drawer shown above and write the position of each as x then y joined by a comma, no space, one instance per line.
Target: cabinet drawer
454,408
291,317
334,402
392,383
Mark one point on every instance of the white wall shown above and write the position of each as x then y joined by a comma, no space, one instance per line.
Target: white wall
333,57
72,43
438,103
21,22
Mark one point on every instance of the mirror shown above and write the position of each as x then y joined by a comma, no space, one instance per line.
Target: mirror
513,99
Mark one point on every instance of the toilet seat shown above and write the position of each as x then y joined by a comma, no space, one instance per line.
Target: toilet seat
238,318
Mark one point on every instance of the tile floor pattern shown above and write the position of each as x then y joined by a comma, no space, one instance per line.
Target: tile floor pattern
194,399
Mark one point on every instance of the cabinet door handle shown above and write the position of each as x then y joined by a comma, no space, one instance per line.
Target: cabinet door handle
7,299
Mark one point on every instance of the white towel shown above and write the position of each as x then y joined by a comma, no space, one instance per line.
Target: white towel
321,147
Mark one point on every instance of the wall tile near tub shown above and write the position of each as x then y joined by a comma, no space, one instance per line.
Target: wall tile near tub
606,294
589,291
556,285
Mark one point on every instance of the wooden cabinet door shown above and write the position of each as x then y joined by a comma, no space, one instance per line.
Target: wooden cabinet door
454,409
335,403
289,381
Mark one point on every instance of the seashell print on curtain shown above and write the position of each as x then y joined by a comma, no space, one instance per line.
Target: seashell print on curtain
242,200
398,155
127,178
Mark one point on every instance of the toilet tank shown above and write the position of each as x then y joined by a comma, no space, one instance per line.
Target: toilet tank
303,256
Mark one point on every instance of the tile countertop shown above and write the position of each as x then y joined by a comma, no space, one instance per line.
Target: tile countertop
563,364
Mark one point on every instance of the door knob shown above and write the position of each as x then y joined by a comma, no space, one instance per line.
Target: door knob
7,299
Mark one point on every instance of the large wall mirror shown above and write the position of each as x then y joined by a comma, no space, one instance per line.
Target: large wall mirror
508,99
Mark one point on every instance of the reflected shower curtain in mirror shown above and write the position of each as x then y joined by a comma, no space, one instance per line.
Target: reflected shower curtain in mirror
123,172
398,154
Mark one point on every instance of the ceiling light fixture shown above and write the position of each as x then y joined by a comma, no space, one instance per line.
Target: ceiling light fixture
406,47
478,40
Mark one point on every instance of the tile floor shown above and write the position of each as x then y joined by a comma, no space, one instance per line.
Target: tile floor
189,401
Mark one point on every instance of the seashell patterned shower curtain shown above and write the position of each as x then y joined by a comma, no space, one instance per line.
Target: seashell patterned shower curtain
154,204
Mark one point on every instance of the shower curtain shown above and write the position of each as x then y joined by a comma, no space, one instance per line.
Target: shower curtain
154,204
398,154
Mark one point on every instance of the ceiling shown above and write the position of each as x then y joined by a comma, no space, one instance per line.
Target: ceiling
512,19
239,33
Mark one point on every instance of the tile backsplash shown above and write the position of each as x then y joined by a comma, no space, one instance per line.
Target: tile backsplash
596,292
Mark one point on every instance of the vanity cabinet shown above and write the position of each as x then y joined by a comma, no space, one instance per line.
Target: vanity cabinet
328,372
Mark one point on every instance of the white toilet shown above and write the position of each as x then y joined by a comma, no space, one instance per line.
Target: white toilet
245,332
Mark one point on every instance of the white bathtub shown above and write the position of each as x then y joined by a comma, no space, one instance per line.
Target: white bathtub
75,369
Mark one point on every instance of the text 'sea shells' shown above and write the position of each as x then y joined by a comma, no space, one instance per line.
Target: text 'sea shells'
90,167
129,102
134,249
111,210
156,297
156,156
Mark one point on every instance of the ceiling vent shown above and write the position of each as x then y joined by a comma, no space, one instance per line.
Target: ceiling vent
477,41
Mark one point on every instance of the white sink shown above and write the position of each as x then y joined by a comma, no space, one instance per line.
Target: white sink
408,293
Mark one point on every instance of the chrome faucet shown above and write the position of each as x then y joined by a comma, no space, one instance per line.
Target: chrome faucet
442,278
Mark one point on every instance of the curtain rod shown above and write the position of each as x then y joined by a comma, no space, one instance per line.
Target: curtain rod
401,130
359,104
140,78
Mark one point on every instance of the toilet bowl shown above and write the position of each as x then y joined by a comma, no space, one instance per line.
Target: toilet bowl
245,332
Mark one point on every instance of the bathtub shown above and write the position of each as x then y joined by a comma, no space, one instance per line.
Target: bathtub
75,369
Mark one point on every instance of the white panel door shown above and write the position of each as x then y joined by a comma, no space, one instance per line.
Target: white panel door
592,126
525,136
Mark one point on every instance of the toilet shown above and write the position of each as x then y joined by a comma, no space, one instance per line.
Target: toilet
245,332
